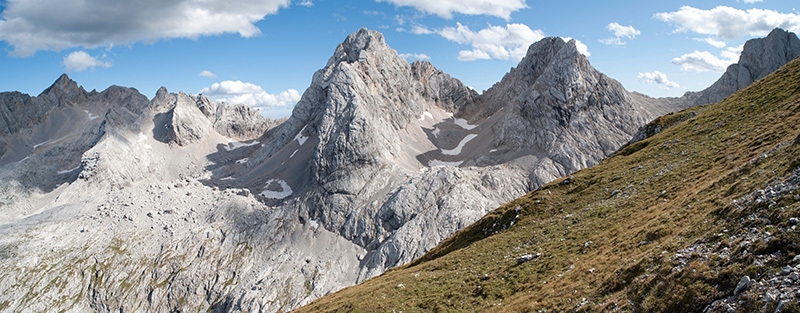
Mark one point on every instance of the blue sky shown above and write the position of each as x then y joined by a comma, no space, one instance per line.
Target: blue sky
264,52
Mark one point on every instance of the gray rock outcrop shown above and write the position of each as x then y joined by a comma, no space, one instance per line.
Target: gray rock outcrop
559,108
759,58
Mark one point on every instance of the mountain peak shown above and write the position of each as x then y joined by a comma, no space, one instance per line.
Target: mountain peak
778,48
359,45
548,52
549,62
759,58
64,86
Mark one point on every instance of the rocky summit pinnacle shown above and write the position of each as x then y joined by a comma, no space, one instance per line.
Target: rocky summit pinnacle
561,110
357,46
760,57
114,202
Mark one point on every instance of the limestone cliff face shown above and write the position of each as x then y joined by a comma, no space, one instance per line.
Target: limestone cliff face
760,57
19,111
556,105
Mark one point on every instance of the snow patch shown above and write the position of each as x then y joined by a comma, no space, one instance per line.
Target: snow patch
493,150
227,178
293,153
236,145
91,116
242,161
313,223
435,162
300,138
426,114
461,144
69,170
41,144
464,124
436,132
143,138
285,191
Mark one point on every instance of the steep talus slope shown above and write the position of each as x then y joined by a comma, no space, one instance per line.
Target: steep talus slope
671,223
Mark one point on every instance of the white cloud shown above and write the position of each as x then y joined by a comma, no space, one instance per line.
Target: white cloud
30,26
732,53
580,46
728,23
753,1
421,30
619,33
704,61
711,41
472,55
80,60
306,3
659,78
494,42
239,92
414,56
207,74
446,8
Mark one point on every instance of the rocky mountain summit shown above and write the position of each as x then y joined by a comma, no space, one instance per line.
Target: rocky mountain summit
759,58
113,202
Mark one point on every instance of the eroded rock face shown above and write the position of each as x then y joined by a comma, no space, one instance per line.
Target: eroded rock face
759,58
183,121
240,122
19,111
558,106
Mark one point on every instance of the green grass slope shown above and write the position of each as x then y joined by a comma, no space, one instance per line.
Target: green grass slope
668,224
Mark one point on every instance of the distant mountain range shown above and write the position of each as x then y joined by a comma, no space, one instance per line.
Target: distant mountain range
115,202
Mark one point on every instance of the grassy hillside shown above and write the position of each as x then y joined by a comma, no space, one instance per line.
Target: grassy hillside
670,223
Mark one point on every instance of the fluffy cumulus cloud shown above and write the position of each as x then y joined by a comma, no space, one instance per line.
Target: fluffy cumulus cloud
421,30
250,94
659,78
704,61
726,23
582,48
207,74
415,56
620,32
81,60
30,26
711,41
446,8
493,42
